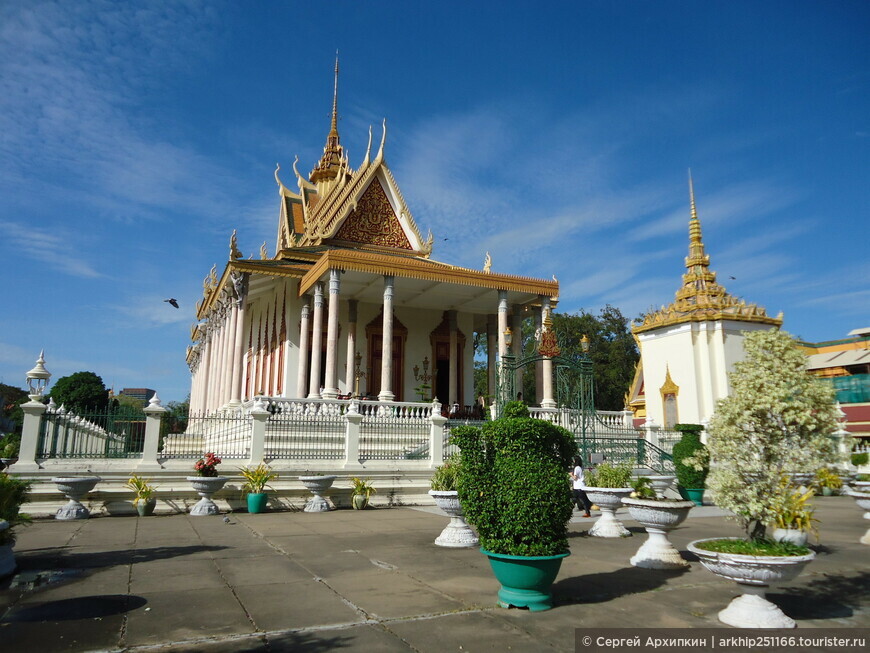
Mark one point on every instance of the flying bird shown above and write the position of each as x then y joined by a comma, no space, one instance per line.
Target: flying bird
730,277
172,301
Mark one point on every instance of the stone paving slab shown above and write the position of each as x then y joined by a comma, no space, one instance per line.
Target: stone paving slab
372,581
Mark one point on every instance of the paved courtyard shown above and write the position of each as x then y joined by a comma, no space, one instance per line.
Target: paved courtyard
372,581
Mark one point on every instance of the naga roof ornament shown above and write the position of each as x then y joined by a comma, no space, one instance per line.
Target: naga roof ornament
701,297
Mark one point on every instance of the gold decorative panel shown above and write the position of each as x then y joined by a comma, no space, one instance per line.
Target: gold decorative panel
373,221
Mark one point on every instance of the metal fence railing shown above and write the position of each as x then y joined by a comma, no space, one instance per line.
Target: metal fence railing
113,432
394,438
636,452
225,433
317,436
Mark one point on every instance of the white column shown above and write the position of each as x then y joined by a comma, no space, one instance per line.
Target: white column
238,352
547,400
350,381
517,346
316,342
453,384
502,322
491,351
539,365
304,327
386,393
331,386
207,361
229,359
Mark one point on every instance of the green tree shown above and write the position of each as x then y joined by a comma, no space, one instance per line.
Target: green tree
11,415
612,350
80,391
778,419
126,400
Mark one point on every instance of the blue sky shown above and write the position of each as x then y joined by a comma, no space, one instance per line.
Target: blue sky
134,137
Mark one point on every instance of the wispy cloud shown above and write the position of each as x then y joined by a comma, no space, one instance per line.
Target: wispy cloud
54,247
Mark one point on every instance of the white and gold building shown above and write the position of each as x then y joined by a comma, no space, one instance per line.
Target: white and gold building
688,347
351,302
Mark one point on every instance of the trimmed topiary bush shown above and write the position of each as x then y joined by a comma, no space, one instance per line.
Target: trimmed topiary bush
513,484
691,473
859,459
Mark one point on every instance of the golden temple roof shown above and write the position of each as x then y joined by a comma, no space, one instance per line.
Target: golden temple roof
701,297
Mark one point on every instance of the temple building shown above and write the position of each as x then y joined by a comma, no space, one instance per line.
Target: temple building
351,302
688,347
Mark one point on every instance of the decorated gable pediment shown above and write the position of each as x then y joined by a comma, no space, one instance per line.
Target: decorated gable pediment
373,221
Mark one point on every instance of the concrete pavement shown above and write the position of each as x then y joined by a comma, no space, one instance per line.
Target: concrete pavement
372,581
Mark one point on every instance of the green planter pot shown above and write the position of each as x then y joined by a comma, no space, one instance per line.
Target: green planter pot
827,491
525,580
695,495
146,508
360,501
257,502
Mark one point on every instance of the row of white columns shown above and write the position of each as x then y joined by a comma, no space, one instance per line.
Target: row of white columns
218,379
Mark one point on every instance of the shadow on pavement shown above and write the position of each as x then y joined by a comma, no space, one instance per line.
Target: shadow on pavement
82,607
831,597
603,587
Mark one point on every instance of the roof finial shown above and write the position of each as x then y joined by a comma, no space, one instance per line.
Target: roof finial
692,196
333,154
335,100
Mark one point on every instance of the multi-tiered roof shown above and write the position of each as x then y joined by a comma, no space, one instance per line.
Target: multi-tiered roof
701,297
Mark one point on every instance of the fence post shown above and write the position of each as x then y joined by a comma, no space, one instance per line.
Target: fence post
33,411
436,435
628,418
258,432
651,432
352,418
153,421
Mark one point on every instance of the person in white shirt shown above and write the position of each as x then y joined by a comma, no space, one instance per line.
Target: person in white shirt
579,480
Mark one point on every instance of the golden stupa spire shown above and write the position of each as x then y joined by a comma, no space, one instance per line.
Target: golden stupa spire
701,297
329,164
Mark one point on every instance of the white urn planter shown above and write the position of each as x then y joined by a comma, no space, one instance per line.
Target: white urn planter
317,485
608,499
457,534
658,518
206,486
754,574
791,535
7,555
863,500
74,488
660,484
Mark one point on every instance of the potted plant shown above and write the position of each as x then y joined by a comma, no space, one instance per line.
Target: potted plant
658,516
828,482
318,486
778,418
13,492
362,491
513,487
793,518
457,533
206,483
74,488
144,501
256,482
691,462
9,446
606,485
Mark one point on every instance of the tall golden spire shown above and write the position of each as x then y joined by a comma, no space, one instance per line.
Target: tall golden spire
701,297
330,162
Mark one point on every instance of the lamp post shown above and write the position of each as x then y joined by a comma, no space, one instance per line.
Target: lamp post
357,374
423,378
37,378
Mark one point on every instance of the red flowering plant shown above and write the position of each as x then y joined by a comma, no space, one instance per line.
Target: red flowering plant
207,466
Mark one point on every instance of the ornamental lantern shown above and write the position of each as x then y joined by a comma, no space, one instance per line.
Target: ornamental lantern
38,377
